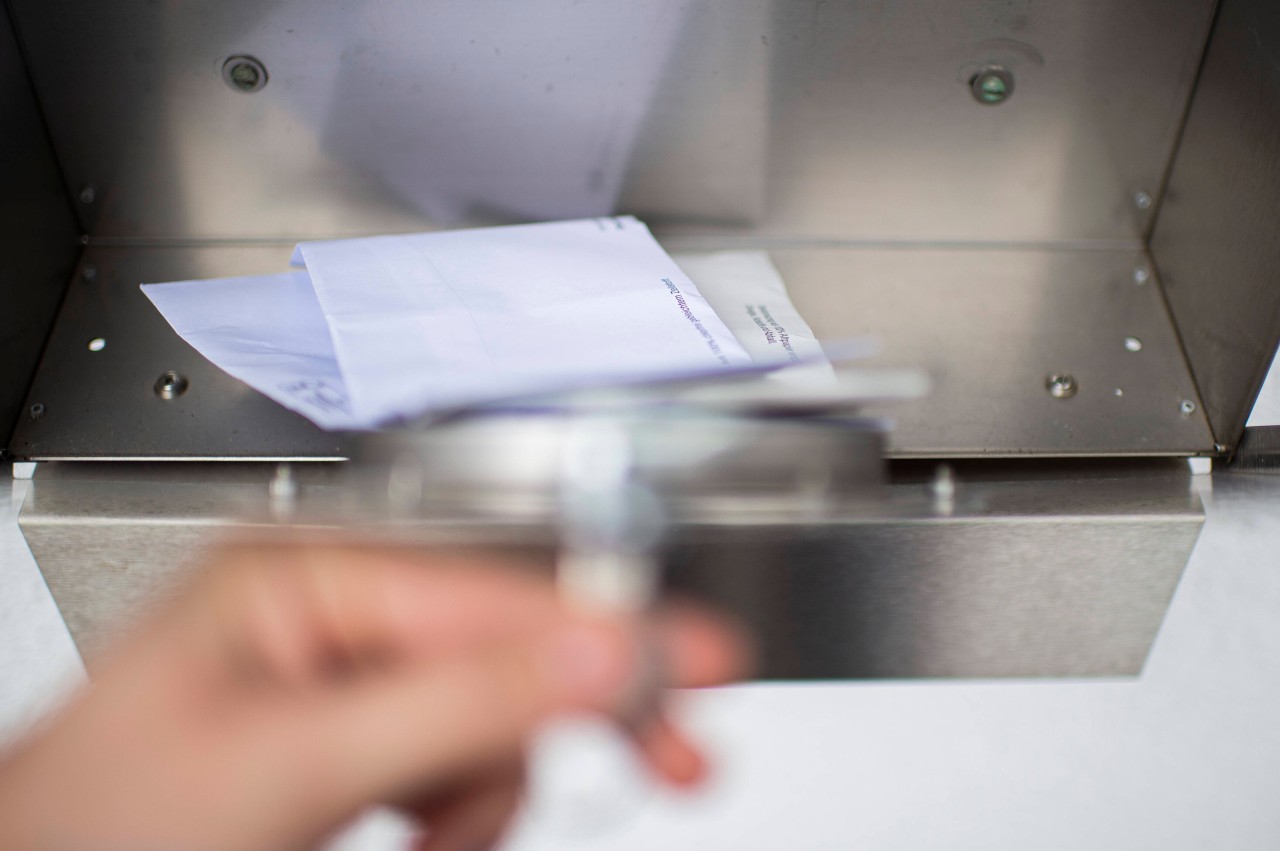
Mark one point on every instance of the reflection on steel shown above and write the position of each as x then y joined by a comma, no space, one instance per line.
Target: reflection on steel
990,590
763,119
1215,243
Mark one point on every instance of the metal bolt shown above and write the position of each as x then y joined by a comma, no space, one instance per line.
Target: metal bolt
992,85
171,385
87,195
1141,275
1142,200
89,273
1061,386
282,492
37,411
944,490
1187,407
244,73
1132,344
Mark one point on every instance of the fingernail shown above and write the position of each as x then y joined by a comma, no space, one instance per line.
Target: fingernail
588,662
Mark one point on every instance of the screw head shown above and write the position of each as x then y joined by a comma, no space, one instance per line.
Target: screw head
1061,386
1142,200
1187,407
992,85
244,74
37,411
171,385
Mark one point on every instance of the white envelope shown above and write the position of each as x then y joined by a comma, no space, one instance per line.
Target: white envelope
267,331
436,320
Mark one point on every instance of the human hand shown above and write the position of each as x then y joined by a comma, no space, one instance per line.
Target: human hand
293,685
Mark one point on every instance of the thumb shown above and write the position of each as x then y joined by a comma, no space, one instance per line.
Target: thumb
428,726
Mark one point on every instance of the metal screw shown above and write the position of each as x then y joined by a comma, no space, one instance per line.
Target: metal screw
171,385
87,195
1132,344
1142,200
244,74
282,492
1187,407
1141,275
37,411
89,273
991,85
1061,386
944,490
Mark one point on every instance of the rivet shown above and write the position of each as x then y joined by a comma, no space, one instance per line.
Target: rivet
89,273
97,344
1061,386
944,490
88,195
1187,407
1142,200
37,411
992,85
244,74
1132,344
171,385
1141,275
282,492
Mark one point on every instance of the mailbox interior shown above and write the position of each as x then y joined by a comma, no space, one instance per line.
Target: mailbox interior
1113,218
992,245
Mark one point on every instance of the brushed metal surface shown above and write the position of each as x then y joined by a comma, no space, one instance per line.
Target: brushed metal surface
38,237
1215,241
1058,571
1258,450
989,326
103,404
763,119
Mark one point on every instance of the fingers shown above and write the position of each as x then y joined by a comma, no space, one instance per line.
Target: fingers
477,816
306,610
671,754
425,728
700,648
477,658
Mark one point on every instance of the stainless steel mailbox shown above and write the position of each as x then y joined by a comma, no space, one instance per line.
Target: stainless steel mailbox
1011,195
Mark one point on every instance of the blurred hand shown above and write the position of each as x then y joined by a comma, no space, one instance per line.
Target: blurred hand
294,685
